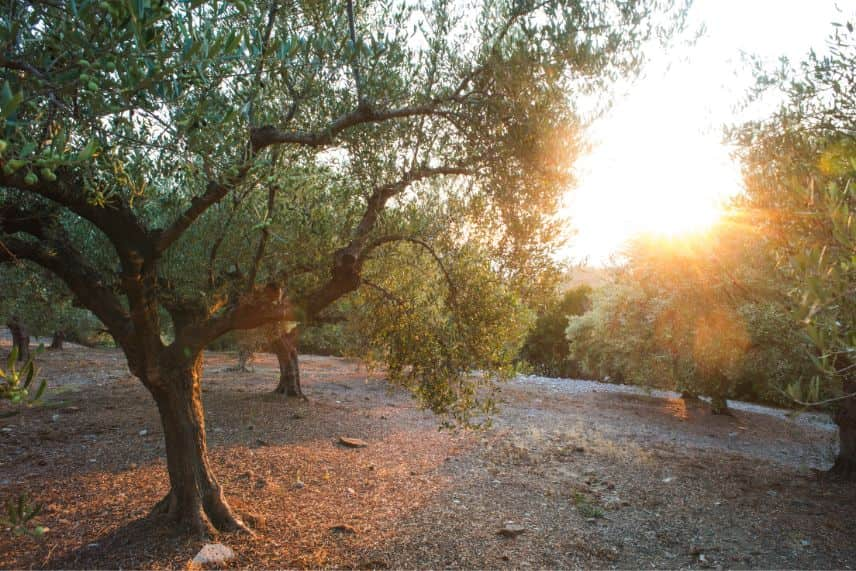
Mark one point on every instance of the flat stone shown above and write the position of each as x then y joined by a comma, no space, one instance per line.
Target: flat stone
213,553
352,442
511,530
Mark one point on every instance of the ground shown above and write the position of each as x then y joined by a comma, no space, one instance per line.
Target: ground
597,478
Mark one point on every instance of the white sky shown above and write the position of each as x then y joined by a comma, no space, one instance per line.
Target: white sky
658,163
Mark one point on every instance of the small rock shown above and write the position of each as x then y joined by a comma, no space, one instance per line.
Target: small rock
298,485
668,480
55,418
352,442
343,529
143,432
351,491
213,553
132,466
261,483
93,460
260,442
511,530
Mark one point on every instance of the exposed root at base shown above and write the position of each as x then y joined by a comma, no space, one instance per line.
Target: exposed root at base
196,520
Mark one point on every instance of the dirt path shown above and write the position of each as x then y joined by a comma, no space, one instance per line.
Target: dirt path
597,479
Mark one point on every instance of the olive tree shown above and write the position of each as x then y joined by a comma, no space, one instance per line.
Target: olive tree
140,135
800,168
703,315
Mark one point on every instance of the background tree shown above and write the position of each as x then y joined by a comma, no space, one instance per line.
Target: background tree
702,315
546,347
36,303
799,168
141,136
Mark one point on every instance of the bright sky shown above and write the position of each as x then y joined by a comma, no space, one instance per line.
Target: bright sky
658,163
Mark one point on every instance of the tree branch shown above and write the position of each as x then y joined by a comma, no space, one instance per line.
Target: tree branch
347,262
67,264
267,136
215,191
115,220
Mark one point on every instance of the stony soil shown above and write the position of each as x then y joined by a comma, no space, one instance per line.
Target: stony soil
596,479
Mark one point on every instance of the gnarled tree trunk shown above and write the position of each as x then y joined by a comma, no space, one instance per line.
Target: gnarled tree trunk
20,339
57,341
285,349
195,500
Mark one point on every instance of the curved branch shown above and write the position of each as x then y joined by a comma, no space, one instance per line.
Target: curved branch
347,262
115,220
418,241
251,311
267,136
83,281
215,191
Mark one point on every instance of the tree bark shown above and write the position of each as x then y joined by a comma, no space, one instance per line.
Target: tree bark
285,349
20,339
195,500
245,360
845,418
58,340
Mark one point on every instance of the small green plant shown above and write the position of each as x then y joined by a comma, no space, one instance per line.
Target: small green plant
19,515
15,382
587,509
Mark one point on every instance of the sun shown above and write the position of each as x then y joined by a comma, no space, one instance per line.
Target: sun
651,170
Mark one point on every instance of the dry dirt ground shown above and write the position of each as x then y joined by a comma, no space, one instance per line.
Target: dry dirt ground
600,480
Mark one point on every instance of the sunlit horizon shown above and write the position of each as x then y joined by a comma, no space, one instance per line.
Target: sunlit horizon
658,164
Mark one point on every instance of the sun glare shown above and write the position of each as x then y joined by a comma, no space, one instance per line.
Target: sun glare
658,165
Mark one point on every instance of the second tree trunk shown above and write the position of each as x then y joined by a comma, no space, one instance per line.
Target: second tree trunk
285,349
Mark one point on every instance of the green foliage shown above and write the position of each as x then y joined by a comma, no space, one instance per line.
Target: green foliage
16,387
546,347
450,347
800,167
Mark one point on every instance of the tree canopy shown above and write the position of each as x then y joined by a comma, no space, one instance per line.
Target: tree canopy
199,167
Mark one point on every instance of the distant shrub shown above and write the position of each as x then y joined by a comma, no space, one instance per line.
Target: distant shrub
546,349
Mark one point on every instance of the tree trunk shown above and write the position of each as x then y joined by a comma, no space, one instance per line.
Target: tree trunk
687,394
58,340
195,500
20,339
289,372
245,360
845,418
719,405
